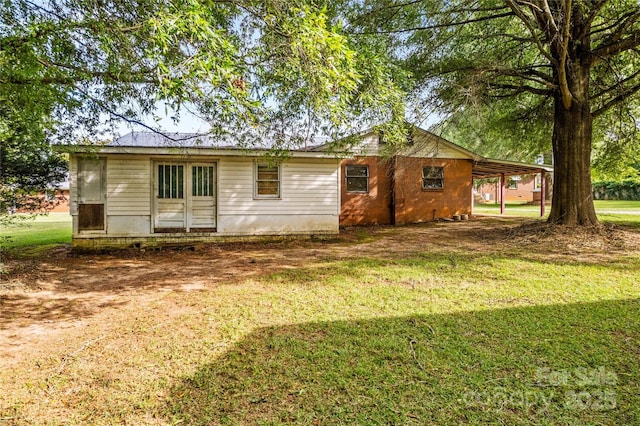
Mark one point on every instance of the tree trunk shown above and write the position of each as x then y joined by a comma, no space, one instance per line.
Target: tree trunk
572,202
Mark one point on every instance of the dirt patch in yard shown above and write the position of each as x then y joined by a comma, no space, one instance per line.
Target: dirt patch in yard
45,301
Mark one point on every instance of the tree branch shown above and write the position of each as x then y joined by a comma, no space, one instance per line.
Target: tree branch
436,26
624,27
383,8
106,108
586,25
617,85
517,89
604,27
525,20
620,46
527,73
567,97
623,96
128,78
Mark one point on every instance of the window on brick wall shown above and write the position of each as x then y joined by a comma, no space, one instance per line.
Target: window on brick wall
432,177
357,178
512,183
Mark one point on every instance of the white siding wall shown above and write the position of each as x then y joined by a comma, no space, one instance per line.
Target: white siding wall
129,186
309,198
368,146
73,193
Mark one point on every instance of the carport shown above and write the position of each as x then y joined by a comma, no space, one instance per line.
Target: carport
488,168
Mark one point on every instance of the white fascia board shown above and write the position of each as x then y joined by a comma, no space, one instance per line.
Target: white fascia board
208,152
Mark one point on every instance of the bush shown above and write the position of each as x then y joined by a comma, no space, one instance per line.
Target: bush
627,189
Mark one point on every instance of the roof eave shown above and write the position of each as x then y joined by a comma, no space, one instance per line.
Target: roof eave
211,152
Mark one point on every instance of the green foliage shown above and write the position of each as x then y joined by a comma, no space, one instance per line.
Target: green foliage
494,131
261,71
489,68
626,189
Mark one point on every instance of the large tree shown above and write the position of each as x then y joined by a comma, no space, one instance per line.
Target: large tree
567,61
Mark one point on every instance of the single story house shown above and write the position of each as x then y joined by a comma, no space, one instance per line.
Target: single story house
146,189
427,179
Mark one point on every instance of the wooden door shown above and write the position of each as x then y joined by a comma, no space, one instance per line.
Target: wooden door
202,202
170,203
91,194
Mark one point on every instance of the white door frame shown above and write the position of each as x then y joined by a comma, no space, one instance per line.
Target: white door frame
187,200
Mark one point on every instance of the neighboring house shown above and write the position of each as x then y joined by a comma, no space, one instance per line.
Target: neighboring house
519,188
429,178
59,198
55,199
144,189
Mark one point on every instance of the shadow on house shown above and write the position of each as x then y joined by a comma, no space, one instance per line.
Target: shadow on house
558,364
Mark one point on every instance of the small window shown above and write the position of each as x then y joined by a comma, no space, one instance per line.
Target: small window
170,181
267,180
357,178
432,177
512,183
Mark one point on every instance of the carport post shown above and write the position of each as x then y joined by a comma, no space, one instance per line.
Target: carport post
501,193
543,189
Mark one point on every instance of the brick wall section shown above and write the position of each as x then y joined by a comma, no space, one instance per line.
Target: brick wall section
372,208
412,203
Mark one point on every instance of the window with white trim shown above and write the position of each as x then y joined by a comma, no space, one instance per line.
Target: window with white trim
267,180
512,183
432,177
357,177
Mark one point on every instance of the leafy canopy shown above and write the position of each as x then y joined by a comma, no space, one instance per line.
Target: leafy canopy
494,67
270,70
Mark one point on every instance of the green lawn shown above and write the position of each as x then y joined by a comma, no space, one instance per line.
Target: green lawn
626,212
43,231
430,339
440,323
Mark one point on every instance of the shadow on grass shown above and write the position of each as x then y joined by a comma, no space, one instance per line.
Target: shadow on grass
559,364
84,290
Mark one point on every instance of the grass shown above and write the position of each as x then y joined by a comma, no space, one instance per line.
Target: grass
623,212
42,231
620,205
427,336
433,339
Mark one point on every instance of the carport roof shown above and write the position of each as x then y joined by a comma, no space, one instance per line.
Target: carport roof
488,168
